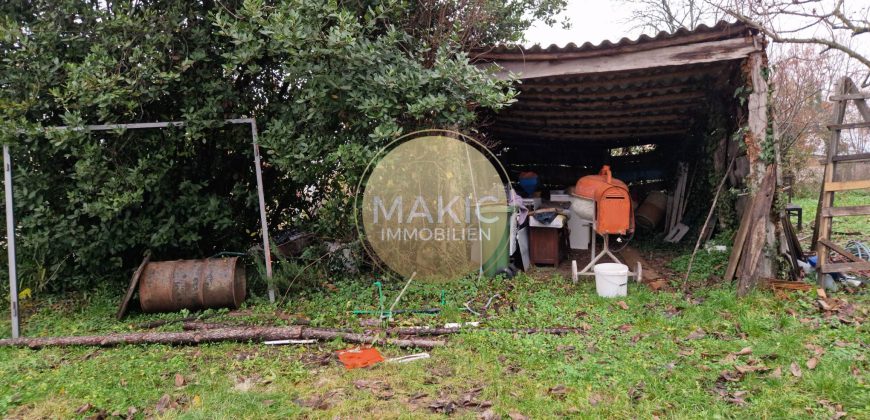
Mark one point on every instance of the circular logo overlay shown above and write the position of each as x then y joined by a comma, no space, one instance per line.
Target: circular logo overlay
434,206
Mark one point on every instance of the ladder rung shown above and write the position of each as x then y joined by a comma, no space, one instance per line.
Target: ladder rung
846,211
850,158
844,267
850,96
847,185
848,126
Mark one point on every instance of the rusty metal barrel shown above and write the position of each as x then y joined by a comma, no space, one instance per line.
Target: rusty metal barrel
167,286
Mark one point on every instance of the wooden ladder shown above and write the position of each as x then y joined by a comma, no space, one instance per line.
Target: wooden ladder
846,91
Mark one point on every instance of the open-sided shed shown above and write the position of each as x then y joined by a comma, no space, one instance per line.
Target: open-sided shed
642,106
578,106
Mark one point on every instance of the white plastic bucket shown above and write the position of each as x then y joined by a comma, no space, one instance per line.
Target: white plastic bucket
611,279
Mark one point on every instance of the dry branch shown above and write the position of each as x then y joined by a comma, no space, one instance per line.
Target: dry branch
761,16
207,332
240,334
188,337
396,331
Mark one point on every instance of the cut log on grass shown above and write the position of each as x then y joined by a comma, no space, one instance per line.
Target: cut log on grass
424,331
162,322
240,334
330,333
199,325
187,337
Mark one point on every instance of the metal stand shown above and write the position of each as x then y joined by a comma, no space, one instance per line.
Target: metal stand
605,250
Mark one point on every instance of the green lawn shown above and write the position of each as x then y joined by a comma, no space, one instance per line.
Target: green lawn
638,361
844,228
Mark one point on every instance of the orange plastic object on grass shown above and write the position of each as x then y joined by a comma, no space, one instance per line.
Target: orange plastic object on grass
358,357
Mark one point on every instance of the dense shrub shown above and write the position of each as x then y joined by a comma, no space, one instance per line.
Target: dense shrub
329,83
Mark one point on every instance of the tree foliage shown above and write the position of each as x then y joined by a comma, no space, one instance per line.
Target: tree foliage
329,83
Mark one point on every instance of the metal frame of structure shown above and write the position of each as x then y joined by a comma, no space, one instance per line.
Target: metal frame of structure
10,215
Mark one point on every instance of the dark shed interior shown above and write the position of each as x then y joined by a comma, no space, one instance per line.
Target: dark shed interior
640,106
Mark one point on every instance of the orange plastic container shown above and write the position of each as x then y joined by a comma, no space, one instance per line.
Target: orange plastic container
612,202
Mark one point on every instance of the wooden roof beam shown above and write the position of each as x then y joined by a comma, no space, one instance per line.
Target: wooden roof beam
596,121
655,109
614,94
641,80
592,130
591,134
574,105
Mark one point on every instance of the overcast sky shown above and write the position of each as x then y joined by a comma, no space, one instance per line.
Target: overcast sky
591,20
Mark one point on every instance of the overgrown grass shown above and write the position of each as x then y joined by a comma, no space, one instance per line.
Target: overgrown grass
634,362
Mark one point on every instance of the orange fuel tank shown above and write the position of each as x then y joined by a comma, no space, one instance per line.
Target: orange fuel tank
612,202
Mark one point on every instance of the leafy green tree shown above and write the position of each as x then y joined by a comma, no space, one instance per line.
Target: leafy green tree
329,82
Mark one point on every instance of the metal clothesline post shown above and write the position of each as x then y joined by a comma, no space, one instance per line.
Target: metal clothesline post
262,200
10,241
10,219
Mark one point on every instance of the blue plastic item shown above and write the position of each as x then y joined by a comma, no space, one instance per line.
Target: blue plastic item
529,185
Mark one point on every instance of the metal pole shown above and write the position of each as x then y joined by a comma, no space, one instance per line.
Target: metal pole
10,241
261,196
105,127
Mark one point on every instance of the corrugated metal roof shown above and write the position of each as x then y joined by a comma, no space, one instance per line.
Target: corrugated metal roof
576,102
721,30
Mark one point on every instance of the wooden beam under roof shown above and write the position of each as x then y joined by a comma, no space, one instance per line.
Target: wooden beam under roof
614,94
578,103
700,52
646,78
622,129
605,141
565,121
654,109
582,135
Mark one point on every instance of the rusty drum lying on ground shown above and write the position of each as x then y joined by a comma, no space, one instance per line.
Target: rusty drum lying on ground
167,286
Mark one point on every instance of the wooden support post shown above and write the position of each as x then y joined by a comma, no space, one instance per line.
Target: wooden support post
762,230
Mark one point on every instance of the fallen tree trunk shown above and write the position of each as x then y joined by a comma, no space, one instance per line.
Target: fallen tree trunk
162,322
240,334
187,337
203,332
422,331
401,331
199,325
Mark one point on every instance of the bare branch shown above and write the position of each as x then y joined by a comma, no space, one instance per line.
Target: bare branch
770,10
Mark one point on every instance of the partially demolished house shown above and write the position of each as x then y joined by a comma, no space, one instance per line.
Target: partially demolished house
644,107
